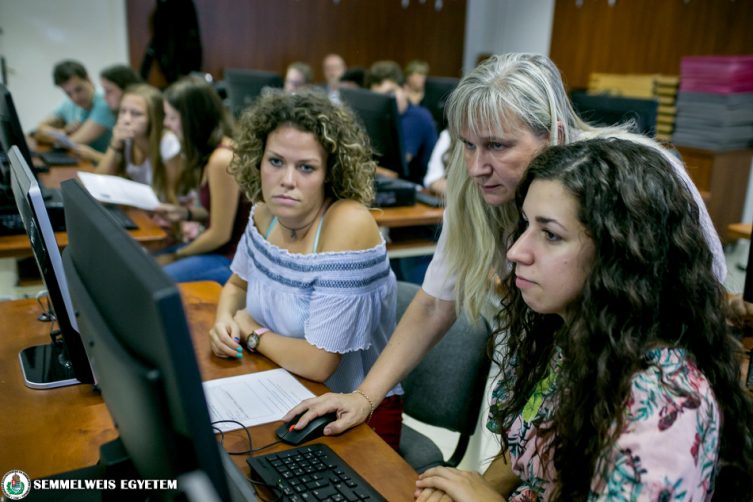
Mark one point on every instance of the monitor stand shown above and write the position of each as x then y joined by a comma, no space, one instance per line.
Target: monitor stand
47,366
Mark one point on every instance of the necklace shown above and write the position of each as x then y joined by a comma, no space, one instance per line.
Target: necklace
294,231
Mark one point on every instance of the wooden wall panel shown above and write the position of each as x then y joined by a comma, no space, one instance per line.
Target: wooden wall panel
270,34
645,36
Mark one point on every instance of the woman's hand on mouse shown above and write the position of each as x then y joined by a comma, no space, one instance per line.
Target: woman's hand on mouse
351,410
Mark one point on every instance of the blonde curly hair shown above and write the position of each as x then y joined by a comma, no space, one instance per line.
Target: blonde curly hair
350,168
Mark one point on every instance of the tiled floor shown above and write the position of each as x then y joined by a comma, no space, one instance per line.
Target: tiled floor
483,445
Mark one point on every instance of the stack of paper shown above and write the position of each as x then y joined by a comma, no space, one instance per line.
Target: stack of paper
254,398
715,103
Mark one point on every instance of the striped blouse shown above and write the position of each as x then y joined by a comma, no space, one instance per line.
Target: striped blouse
343,302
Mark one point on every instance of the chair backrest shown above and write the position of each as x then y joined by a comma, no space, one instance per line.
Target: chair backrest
447,387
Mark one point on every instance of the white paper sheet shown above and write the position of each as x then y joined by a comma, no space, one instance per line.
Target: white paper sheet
62,138
117,190
253,399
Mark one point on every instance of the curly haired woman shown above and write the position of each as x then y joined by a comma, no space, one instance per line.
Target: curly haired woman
620,380
311,287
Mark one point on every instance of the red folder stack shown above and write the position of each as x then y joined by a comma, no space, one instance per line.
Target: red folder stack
715,103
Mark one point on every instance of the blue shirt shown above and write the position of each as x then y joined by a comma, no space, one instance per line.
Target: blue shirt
419,136
344,302
99,113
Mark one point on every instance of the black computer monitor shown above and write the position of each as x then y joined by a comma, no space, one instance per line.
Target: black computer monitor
10,126
64,360
606,110
436,92
10,134
381,120
132,320
748,287
243,86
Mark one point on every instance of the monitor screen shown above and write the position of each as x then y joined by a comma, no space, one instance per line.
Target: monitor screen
10,126
243,86
606,110
64,361
132,320
436,92
381,120
748,288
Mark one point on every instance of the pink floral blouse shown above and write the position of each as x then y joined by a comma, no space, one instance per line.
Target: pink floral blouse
667,451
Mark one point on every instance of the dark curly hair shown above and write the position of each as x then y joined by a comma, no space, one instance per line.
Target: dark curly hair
651,286
350,168
204,122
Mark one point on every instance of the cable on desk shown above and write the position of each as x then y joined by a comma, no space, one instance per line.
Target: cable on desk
251,449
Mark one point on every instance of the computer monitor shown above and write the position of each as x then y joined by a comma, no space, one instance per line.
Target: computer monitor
381,119
64,360
132,320
10,134
243,86
10,126
436,92
606,110
748,287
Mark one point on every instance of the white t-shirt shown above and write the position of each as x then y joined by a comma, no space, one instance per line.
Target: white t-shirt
169,147
436,169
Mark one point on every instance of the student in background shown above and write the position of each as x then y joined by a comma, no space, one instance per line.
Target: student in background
333,67
84,116
297,77
141,148
419,131
415,80
619,378
212,212
312,287
436,174
501,116
114,80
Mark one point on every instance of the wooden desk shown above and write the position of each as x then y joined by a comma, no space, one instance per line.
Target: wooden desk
739,230
409,216
149,233
45,432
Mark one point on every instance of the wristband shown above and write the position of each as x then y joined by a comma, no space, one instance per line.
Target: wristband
371,403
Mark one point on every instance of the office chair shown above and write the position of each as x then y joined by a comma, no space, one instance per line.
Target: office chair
446,388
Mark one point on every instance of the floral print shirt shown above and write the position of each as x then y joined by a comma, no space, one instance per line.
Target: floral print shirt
668,449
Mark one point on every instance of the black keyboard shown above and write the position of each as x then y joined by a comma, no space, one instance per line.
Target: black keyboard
11,224
121,218
313,472
57,157
429,200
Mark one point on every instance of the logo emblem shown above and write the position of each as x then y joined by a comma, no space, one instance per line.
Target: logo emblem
16,484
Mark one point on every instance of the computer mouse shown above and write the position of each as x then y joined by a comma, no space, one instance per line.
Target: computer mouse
313,429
